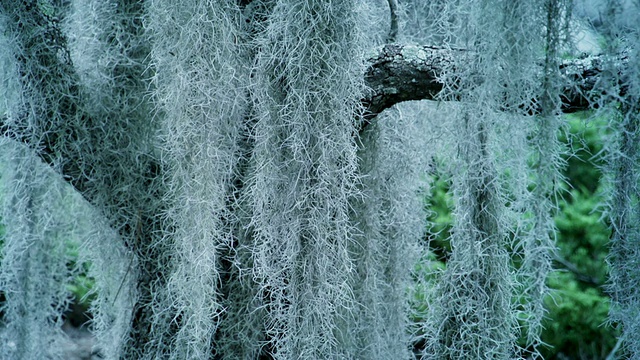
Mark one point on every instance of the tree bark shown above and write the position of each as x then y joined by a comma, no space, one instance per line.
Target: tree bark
398,73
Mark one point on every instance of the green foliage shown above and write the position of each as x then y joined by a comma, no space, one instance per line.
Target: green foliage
82,286
575,325
577,315
83,289
583,236
578,307
427,272
439,220
585,136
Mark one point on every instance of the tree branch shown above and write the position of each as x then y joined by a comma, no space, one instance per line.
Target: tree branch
580,276
393,27
400,73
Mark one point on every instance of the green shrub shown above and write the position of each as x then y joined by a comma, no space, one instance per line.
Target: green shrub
578,309
575,325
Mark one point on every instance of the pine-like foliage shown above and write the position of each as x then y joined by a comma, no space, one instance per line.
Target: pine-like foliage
623,158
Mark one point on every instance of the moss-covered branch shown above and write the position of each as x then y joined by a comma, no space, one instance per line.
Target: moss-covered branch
400,73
